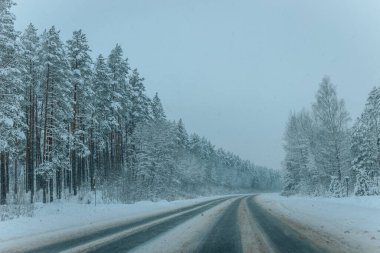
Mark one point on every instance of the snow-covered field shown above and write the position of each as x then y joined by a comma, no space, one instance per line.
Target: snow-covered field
62,218
354,221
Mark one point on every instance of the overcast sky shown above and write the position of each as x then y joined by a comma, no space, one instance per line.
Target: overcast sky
232,70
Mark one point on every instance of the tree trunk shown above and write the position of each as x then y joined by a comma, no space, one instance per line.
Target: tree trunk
47,137
44,189
15,177
51,189
3,190
38,155
59,183
73,172
74,163
91,161
7,172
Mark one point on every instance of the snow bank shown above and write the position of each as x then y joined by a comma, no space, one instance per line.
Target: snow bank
354,221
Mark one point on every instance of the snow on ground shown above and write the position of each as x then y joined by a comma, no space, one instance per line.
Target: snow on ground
62,218
355,221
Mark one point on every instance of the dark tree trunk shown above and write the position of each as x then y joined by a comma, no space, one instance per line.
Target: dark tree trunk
38,153
51,189
68,180
15,177
91,162
3,190
29,152
59,183
73,172
7,171
73,156
44,189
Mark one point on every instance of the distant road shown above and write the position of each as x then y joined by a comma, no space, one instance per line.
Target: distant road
230,224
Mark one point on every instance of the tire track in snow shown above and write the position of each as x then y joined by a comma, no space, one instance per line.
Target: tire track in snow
188,236
225,235
252,239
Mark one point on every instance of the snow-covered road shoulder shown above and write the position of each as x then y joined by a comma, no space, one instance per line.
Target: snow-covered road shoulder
353,221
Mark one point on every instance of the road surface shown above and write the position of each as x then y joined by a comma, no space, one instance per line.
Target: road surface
229,224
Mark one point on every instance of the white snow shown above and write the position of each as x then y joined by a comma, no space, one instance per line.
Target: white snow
354,221
7,121
58,219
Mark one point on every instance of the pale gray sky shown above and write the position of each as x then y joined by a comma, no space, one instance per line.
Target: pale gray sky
231,69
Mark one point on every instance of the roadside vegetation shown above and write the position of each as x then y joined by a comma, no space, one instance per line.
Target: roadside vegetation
327,157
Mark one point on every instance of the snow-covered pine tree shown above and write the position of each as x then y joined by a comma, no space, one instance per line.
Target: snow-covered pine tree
139,111
102,116
31,72
365,147
165,182
119,70
56,111
161,145
182,137
155,159
11,98
297,152
81,92
138,114
157,111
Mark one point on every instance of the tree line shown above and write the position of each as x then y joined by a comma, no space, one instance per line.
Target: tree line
325,156
70,124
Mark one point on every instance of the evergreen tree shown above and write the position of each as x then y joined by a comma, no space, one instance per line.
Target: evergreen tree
158,113
365,147
182,138
56,110
11,98
297,149
31,72
103,118
81,89
120,103
138,114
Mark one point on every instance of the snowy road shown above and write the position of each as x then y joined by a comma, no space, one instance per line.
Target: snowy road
229,224
246,227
